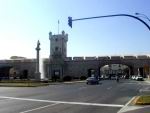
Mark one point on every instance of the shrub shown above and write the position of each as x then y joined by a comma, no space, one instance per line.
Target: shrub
83,77
74,77
55,78
67,78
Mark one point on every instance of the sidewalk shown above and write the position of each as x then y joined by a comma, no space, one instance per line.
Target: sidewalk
147,80
130,108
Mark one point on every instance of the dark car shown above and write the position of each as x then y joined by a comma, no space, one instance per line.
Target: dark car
92,80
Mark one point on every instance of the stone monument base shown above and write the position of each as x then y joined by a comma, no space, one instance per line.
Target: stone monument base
37,76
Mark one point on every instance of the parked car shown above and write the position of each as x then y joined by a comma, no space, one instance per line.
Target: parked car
126,76
113,77
92,80
133,77
139,78
104,77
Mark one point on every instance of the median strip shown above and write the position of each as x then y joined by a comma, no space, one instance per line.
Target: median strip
141,100
22,84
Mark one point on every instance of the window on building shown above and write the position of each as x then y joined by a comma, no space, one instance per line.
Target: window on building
56,48
56,39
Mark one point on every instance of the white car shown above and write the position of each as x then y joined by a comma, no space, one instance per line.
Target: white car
133,77
139,78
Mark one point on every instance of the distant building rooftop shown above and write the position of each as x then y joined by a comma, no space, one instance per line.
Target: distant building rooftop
17,58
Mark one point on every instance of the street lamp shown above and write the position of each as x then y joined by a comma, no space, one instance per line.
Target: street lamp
70,20
143,15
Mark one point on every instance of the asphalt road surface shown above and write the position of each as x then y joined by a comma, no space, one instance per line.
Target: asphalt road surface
107,97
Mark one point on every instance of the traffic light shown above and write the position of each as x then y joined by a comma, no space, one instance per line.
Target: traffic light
70,21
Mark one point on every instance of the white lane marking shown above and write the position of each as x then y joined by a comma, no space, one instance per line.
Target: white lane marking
39,108
144,90
120,111
82,88
109,88
65,102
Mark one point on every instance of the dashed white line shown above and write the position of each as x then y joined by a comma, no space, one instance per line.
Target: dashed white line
39,108
65,102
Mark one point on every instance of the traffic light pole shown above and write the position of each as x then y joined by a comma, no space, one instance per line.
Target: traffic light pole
70,20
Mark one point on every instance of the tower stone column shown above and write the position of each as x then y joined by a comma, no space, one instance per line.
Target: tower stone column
37,72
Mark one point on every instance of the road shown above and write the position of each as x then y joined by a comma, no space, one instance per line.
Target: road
107,97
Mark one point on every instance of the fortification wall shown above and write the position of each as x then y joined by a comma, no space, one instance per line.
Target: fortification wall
21,65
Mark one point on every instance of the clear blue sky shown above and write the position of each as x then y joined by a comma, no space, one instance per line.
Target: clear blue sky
23,22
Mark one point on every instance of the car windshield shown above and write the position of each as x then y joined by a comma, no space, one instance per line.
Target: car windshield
74,56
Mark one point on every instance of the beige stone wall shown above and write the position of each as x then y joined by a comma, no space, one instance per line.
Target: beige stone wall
79,68
19,66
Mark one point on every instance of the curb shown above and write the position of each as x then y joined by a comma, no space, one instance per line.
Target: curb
131,105
26,85
135,100
74,82
23,85
147,81
126,108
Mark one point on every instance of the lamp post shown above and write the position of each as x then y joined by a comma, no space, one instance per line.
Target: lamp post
143,15
70,20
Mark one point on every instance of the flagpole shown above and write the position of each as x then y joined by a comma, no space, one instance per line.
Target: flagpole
58,26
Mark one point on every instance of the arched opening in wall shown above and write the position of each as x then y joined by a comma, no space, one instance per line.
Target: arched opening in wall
146,71
13,73
56,75
129,71
110,71
24,74
143,72
91,72
4,72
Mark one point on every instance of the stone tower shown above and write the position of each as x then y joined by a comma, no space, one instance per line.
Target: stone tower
58,45
58,53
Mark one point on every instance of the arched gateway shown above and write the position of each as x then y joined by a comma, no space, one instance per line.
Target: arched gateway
59,65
